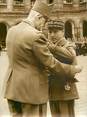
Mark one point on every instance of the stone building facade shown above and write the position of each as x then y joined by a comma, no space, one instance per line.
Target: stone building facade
11,13
74,15
72,12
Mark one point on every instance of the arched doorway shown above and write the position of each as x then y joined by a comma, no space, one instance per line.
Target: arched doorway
68,30
32,2
3,33
50,1
84,28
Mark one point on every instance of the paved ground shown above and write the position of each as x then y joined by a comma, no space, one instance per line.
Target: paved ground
81,104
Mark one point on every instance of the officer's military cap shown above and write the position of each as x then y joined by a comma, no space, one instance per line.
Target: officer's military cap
56,24
42,8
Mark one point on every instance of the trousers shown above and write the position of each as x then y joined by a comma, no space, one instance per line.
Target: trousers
18,109
62,108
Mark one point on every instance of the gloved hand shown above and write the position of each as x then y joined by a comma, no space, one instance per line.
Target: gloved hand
75,69
78,68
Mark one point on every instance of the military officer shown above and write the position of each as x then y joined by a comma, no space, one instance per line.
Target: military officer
62,94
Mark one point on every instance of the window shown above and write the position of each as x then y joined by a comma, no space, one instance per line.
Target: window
50,1
68,1
2,1
18,1
81,0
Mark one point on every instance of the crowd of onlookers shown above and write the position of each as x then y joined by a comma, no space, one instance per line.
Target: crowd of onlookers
2,46
81,47
0,49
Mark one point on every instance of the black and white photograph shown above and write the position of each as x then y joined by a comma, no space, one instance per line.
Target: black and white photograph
43,58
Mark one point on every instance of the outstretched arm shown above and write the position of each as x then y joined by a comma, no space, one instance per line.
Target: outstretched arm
63,54
43,54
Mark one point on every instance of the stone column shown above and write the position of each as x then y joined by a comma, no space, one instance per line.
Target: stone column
27,4
73,33
45,1
76,3
58,4
9,5
77,29
81,30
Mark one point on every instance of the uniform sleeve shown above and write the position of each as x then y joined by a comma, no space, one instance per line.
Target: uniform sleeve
63,54
71,48
43,54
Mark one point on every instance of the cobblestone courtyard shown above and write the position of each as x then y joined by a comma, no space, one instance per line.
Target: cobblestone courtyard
81,104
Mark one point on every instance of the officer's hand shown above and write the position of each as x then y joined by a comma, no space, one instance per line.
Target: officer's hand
75,70
78,68
51,46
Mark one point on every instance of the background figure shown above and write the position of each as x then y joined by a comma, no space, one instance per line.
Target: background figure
62,94
0,49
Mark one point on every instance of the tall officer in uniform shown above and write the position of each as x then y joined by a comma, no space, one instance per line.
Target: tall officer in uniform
28,54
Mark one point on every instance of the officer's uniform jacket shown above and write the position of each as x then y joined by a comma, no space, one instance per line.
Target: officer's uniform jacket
56,85
27,51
